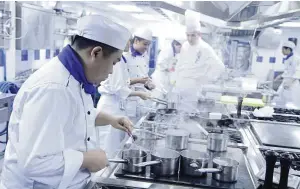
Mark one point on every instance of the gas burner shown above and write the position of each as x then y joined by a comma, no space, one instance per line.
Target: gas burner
296,156
278,118
276,110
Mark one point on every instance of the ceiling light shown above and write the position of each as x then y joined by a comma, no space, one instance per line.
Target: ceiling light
126,8
290,24
148,17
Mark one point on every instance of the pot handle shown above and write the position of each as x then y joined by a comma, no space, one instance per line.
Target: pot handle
147,163
209,170
118,160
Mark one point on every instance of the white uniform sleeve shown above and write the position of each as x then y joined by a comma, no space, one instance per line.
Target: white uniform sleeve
163,59
41,147
118,82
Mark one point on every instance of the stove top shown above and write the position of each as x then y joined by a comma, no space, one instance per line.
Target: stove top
278,118
243,181
204,181
276,110
296,162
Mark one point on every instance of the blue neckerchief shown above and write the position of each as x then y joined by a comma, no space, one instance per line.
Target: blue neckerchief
173,48
71,61
288,56
134,53
124,59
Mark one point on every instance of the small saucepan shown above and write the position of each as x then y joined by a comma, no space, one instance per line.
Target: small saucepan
217,142
164,162
177,139
191,161
224,169
131,157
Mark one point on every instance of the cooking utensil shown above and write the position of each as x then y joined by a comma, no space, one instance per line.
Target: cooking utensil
177,139
285,163
224,169
191,160
217,142
164,162
271,158
202,129
131,157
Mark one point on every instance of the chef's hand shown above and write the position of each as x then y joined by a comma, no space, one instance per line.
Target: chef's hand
143,95
144,80
150,85
94,160
122,123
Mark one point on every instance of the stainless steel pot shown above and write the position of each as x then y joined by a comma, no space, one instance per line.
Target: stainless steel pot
177,139
192,160
217,142
224,169
131,157
164,162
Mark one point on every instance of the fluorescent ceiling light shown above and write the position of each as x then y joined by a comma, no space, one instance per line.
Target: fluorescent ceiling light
290,24
126,8
147,17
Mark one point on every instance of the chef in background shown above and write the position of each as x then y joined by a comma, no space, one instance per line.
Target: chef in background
51,130
166,63
289,89
197,64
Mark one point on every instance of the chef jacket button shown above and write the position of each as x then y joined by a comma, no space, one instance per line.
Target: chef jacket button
137,66
88,139
88,112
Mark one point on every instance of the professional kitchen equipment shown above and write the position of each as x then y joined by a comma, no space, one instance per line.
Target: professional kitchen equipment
268,134
224,169
296,157
177,139
168,104
191,160
271,158
244,180
285,163
239,106
217,142
131,157
164,162
167,111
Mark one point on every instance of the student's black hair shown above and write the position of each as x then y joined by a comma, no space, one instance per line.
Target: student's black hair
288,48
81,43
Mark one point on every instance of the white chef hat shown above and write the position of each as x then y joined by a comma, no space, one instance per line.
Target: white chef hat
192,21
289,44
144,33
103,30
180,39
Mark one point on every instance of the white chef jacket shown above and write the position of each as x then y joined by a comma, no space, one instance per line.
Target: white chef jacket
197,65
138,66
166,60
52,122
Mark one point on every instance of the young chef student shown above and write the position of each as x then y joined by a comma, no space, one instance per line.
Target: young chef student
52,126
138,60
116,96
